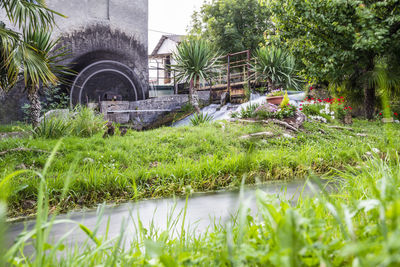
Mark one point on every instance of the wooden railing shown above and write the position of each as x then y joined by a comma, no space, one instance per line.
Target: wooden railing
235,76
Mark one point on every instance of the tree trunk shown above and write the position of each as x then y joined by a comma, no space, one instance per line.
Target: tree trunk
35,109
194,97
369,90
369,100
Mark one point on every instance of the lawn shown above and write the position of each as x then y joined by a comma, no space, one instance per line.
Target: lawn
163,162
357,226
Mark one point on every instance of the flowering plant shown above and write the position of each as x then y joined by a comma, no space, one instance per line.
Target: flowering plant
394,115
273,112
328,108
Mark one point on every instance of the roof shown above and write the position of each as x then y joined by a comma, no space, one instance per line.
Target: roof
175,37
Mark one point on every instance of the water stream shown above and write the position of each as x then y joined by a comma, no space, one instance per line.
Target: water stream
219,113
202,212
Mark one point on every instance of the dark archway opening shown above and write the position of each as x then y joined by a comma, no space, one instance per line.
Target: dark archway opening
102,76
106,86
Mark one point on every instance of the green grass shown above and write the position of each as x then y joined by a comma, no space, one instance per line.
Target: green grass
163,162
355,225
14,127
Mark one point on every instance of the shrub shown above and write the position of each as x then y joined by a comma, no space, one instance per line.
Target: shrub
276,67
200,118
52,128
248,111
86,122
281,113
285,102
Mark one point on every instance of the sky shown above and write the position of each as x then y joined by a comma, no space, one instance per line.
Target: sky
170,17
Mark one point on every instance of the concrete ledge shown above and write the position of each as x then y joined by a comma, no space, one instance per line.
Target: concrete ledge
153,111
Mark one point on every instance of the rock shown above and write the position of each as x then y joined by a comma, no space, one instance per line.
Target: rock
94,106
224,98
56,113
154,164
285,135
375,150
28,204
348,119
21,167
267,107
387,120
13,135
368,155
88,160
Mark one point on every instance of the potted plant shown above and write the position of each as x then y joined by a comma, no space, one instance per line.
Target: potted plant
275,97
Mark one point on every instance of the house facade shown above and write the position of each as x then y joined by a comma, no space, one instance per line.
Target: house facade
161,58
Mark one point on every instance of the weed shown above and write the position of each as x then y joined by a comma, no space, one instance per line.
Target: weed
200,118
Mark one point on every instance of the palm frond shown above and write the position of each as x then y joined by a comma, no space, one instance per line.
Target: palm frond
28,13
277,66
195,59
36,56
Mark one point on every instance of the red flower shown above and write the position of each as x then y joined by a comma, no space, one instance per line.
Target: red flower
396,114
350,108
311,88
380,114
301,109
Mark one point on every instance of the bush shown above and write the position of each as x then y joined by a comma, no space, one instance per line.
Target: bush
277,67
52,128
82,122
330,108
249,111
86,122
287,111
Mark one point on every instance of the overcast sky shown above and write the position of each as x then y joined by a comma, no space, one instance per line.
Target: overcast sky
169,16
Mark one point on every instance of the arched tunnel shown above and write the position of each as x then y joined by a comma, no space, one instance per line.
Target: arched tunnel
107,44
102,76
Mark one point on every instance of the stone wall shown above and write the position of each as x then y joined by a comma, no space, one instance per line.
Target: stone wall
156,110
107,41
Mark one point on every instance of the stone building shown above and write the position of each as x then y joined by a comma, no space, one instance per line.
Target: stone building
108,43
161,58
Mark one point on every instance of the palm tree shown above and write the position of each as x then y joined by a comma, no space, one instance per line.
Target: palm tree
30,51
195,60
277,68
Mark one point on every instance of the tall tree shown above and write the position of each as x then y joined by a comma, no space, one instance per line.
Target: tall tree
29,50
339,41
232,25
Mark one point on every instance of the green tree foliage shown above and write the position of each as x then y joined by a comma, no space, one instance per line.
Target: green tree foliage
339,41
31,51
232,25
